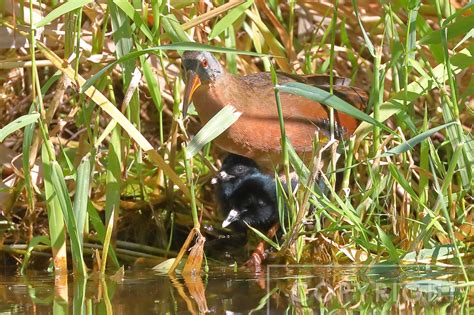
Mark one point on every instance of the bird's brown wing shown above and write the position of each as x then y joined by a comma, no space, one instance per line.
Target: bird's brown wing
354,96
262,82
318,79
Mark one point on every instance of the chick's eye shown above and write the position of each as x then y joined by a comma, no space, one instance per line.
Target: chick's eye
239,169
204,63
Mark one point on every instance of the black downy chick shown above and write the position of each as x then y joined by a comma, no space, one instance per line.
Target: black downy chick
235,168
245,194
253,202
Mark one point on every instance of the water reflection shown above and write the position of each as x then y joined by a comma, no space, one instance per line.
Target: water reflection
300,290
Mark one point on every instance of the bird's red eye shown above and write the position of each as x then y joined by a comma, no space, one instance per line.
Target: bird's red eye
204,63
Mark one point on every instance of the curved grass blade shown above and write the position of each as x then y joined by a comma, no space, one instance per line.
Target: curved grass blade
398,176
174,29
389,246
81,197
368,42
229,19
455,29
469,35
62,193
410,144
263,237
17,124
297,163
324,97
214,127
99,227
209,15
189,46
41,239
108,235
68,6
270,41
57,228
128,9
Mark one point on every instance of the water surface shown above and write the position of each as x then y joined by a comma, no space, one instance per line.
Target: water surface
277,290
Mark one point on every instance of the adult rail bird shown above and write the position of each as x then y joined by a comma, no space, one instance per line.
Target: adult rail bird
256,134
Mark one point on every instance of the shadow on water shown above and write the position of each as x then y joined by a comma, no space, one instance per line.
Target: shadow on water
299,290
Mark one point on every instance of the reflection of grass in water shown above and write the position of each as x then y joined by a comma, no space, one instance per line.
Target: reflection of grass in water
326,289
388,207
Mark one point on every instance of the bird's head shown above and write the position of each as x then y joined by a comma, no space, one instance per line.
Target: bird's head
257,210
235,167
201,67
254,203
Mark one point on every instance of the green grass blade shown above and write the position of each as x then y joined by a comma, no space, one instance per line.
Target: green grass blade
410,144
229,19
99,227
128,9
297,163
188,165
455,29
107,238
17,124
68,6
189,46
81,197
62,193
324,97
113,176
469,35
79,305
412,29
368,42
42,239
387,242
28,136
57,230
397,175
445,211
122,35
214,127
152,83
264,237
28,140
174,29
453,166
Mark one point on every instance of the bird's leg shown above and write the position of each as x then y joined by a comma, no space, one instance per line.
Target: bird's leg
259,255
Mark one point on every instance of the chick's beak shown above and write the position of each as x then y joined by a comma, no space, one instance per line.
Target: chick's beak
192,83
231,217
222,176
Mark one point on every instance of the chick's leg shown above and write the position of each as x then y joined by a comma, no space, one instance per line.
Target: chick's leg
259,255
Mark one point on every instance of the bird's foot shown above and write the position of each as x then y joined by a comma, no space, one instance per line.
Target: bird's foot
259,254
256,259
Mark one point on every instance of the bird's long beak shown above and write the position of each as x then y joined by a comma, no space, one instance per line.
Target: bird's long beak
231,217
192,83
